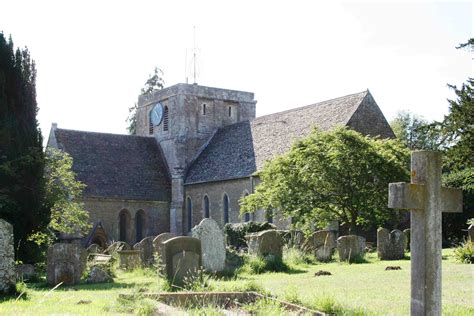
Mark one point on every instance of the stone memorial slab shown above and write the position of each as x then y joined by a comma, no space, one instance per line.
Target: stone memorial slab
390,245
129,259
212,244
324,244
7,255
146,248
350,247
407,232
267,242
65,263
117,246
426,200
183,258
158,244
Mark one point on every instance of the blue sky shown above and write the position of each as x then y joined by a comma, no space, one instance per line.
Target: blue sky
93,57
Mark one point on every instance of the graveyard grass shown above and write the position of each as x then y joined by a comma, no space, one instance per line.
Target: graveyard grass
352,289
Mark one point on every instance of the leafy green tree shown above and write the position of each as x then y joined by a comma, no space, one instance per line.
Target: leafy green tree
21,153
155,82
332,175
63,198
413,132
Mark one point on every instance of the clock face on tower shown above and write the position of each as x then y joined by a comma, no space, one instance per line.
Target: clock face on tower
156,114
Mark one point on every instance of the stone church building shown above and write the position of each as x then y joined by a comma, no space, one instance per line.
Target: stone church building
195,154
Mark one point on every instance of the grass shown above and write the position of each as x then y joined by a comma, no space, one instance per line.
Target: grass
352,289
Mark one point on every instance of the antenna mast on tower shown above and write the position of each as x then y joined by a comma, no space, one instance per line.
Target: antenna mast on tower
194,67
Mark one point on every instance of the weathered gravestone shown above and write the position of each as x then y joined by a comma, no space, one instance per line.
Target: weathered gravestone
212,244
146,251
324,242
129,259
390,245
470,233
26,272
183,259
66,262
7,255
350,247
406,232
426,199
267,242
117,246
158,248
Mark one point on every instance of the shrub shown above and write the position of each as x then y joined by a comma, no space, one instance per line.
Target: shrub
258,264
21,290
296,256
235,233
465,252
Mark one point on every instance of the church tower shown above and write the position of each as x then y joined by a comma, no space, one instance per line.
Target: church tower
183,118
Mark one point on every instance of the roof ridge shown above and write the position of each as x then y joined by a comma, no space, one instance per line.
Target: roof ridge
102,133
310,105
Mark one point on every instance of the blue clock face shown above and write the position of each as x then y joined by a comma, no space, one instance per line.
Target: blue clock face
157,114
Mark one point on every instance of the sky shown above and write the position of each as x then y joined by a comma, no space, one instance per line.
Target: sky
93,57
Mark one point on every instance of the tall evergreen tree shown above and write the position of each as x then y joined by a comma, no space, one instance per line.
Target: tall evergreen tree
21,154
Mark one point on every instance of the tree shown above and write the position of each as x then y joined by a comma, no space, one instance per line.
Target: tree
21,153
413,132
63,196
332,175
155,82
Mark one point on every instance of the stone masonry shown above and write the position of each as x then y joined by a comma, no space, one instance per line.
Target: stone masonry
65,263
7,255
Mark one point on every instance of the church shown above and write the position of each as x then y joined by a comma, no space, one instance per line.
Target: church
197,151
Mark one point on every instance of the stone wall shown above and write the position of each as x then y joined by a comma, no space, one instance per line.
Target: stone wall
107,211
235,190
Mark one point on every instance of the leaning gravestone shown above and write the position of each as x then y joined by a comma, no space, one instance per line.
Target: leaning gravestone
158,248
183,259
350,247
267,242
324,242
406,232
212,244
426,200
66,262
470,233
129,259
390,245
7,255
117,246
146,248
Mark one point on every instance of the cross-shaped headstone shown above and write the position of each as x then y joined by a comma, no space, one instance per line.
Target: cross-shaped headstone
426,199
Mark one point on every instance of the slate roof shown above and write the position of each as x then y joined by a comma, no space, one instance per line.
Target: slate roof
117,166
240,149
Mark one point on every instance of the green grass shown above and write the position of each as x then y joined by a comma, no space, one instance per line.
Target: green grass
352,289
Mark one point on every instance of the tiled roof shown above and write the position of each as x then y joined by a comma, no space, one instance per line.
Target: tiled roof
240,149
117,166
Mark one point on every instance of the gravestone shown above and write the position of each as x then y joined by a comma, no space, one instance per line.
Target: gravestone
406,232
7,255
129,259
350,247
426,200
65,263
470,233
26,272
212,244
97,275
324,242
183,259
146,248
117,246
390,245
267,242
158,245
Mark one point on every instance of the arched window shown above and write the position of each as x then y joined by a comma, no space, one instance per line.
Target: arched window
230,111
226,208
206,206
189,213
140,223
150,124
204,109
124,225
165,119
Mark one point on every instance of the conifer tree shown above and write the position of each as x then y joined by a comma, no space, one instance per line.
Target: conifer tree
21,154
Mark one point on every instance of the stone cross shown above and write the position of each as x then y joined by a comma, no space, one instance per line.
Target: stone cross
426,199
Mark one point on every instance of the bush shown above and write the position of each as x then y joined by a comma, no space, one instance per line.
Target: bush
296,256
235,233
465,252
